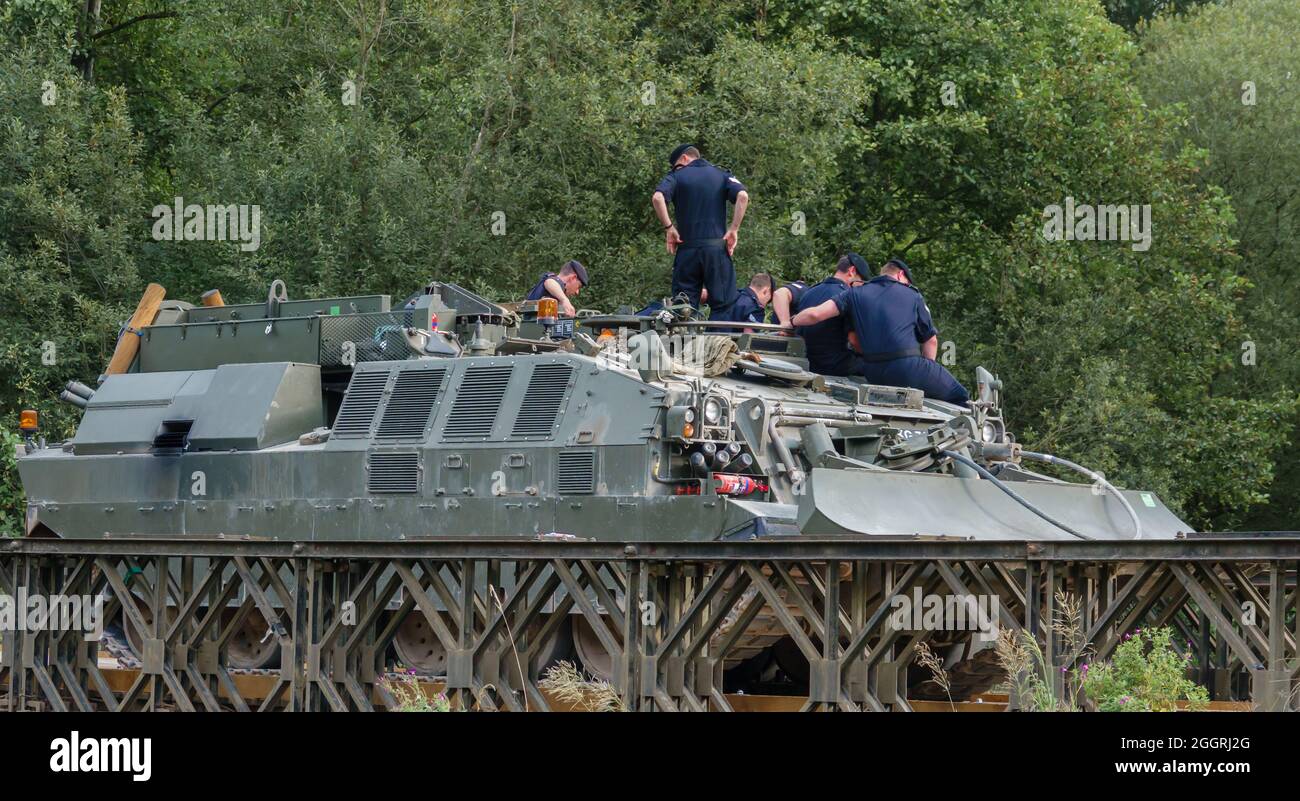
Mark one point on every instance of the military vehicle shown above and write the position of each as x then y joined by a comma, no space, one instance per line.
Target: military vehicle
451,416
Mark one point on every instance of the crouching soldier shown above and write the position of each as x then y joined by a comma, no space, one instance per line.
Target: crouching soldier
565,284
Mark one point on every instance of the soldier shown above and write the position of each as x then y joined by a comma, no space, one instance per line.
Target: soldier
785,301
895,335
703,246
565,284
827,342
751,302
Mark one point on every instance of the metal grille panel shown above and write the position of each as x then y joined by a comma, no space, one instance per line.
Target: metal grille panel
350,339
547,389
478,400
357,414
410,407
393,472
575,473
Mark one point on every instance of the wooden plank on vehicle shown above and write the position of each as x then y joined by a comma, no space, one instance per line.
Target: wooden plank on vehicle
129,343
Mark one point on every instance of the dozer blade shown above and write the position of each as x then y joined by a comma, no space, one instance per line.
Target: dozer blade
839,502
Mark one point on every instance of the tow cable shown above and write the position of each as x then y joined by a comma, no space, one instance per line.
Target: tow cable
957,457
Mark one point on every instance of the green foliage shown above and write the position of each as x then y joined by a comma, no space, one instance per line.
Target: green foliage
51,23
411,696
1146,674
1251,131
71,203
1132,13
559,115
11,491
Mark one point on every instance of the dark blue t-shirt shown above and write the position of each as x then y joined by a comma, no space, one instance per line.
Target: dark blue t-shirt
699,193
826,342
746,309
797,290
539,289
889,317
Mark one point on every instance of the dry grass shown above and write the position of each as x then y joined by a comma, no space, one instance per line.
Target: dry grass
929,660
511,633
568,684
1027,670
1067,622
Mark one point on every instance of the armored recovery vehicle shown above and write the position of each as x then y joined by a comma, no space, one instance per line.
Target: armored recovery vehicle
450,416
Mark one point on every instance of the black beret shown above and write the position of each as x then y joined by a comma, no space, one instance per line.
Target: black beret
578,270
902,265
860,264
677,153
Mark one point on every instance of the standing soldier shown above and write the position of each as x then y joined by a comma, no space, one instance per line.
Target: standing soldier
565,284
895,334
703,244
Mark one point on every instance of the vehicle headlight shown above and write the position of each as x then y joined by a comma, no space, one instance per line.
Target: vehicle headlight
712,411
989,433
689,415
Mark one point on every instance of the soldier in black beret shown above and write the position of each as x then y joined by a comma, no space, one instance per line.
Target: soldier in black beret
701,241
565,284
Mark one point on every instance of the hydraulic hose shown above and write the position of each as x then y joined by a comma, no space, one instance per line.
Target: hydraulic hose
1097,477
957,457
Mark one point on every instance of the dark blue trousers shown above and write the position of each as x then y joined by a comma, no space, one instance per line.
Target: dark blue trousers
841,364
920,373
697,267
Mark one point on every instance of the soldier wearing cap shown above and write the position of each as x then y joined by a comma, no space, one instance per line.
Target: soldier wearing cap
700,240
565,284
827,342
895,335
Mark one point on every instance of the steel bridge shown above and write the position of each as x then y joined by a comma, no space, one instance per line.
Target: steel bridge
667,614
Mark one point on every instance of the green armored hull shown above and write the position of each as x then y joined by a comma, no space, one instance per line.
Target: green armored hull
456,417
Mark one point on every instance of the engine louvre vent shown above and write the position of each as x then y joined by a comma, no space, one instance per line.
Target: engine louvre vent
173,435
547,389
357,413
575,473
478,399
393,472
415,394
